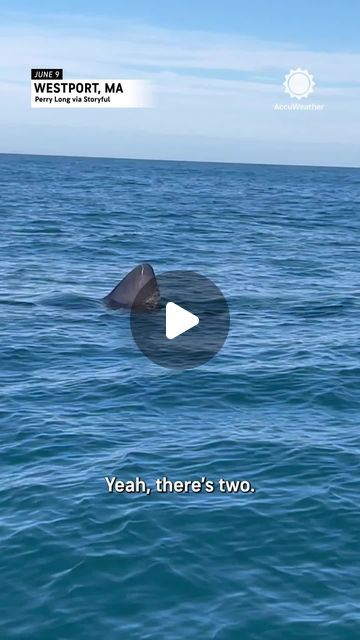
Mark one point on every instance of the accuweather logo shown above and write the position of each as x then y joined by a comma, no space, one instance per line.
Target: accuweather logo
299,84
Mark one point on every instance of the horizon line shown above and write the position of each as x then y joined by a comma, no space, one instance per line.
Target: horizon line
256,164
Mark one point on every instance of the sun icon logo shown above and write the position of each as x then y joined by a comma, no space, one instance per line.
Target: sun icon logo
299,83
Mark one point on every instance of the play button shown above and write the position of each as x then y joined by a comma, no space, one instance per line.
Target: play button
190,324
178,320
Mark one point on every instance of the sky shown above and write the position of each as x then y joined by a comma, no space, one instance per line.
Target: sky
217,70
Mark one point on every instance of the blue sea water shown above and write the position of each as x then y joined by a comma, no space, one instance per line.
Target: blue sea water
278,406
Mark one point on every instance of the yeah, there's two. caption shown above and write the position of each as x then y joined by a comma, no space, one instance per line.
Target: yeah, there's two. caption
165,485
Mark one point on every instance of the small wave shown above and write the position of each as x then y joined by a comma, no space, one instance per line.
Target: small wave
69,301
16,303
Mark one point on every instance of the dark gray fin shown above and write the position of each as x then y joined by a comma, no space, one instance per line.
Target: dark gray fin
138,289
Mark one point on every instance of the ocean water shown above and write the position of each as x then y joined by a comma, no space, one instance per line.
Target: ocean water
279,406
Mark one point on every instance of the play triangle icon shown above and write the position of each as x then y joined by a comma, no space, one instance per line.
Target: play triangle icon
178,320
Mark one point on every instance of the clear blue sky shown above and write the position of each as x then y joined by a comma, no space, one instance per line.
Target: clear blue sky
217,69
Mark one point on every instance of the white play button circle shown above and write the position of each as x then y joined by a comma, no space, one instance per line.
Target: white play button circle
188,327
178,320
